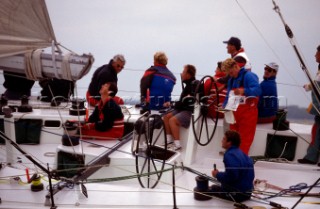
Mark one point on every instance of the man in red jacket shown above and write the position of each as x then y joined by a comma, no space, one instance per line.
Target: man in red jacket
235,49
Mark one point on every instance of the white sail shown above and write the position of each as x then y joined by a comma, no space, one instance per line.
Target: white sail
25,29
24,26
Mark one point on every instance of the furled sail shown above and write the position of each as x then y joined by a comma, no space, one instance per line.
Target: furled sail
25,29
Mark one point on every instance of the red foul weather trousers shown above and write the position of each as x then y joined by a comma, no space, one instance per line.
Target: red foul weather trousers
246,118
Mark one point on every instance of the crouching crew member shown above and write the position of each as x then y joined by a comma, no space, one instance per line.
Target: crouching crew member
237,179
245,84
106,121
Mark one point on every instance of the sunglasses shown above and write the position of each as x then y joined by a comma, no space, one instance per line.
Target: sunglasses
119,66
269,69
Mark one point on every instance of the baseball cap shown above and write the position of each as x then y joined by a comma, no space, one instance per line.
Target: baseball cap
234,41
273,65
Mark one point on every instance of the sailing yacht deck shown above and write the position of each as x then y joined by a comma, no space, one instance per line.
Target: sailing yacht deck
120,193
129,194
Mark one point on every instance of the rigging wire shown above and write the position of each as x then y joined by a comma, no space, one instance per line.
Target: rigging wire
137,92
58,44
272,50
147,174
314,85
195,172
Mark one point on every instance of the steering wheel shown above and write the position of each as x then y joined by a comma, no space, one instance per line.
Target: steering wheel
204,121
150,157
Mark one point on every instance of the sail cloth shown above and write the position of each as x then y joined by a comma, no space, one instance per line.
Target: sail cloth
24,26
25,29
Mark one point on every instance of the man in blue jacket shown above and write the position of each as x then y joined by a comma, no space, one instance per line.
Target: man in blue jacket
268,101
157,83
237,179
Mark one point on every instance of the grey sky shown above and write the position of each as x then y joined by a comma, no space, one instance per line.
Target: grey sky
190,32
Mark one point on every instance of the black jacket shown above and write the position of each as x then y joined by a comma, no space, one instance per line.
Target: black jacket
102,75
104,115
189,89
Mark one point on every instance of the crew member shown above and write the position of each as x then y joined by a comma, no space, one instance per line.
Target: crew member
158,81
104,74
237,179
17,85
106,121
268,101
181,115
210,90
235,49
243,84
312,155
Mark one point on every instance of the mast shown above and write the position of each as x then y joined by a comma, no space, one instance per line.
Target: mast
314,85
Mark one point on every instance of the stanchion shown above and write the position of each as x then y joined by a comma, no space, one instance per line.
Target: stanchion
174,188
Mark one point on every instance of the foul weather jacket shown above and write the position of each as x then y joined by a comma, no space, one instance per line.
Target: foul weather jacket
102,75
160,81
268,101
246,115
188,90
239,171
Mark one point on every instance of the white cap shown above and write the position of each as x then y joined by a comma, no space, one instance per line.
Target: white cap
273,65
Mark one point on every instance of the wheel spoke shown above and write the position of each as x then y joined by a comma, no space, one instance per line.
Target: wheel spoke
148,165
206,126
150,133
207,100
194,121
155,168
144,165
148,179
158,136
201,127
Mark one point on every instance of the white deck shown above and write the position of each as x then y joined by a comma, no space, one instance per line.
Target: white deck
129,194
